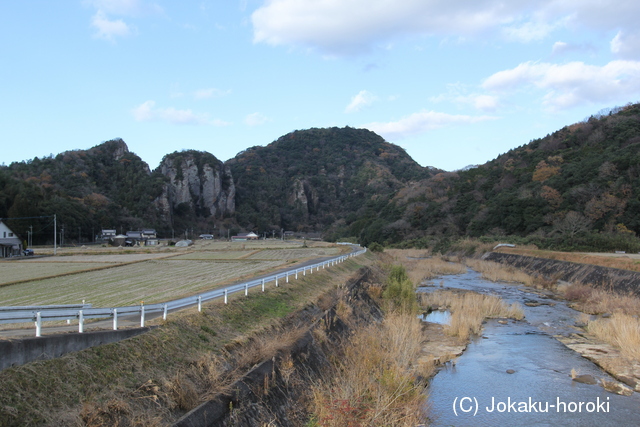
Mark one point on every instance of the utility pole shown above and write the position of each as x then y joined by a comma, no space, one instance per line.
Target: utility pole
30,242
55,234
79,236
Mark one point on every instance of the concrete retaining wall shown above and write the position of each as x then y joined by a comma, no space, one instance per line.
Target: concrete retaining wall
621,281
21,351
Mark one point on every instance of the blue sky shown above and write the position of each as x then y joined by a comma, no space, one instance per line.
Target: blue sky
453,82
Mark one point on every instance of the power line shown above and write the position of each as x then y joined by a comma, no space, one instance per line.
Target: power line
29,217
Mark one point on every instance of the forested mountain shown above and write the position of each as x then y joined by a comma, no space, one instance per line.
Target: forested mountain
576,188
105,186
314,179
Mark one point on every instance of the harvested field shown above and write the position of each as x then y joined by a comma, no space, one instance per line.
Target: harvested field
106,258
19,271
149,281
215,255
299,253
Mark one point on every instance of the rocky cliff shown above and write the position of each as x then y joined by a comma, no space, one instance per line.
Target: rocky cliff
196,182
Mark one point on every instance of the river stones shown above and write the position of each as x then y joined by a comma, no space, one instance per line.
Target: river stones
585,379
511,371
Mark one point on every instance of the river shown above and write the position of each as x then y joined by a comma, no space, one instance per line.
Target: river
538,389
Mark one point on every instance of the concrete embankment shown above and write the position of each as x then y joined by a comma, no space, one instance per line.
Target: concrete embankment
274,388
621,281
20,351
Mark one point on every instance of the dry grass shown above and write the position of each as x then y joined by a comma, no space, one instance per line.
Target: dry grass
622,261
421,266
496,272
592,300
620,330
374,381
469,309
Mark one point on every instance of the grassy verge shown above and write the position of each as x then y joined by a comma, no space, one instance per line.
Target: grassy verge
154,378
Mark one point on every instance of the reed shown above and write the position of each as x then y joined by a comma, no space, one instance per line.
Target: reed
620,330
469,309
374,382
500,273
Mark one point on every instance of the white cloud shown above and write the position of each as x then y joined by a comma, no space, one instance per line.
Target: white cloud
422,122
256,119
458,94
353,26
107,29
210,93
361,100
126,7
147,112
570,84
626,44
529,31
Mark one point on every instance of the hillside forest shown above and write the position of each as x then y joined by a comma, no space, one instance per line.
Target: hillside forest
575,189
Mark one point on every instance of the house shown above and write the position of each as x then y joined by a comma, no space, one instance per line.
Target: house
206,236
245,236
108,234
149,233
10,243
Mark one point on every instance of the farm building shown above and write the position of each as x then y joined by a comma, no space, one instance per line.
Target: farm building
10,243
245,236
108,234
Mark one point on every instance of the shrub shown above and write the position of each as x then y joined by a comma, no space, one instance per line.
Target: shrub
376,247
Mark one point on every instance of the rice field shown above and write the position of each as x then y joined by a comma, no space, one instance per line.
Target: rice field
149,281
299,253
19,271
217,255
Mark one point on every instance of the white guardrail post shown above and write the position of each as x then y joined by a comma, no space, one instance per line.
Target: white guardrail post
115,319
80,321
226,296
142,316
199,303
38,324
246,289
164,313
262,285
276,280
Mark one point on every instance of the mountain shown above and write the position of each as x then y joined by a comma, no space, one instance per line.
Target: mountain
310,179
578,188
105,186
198,189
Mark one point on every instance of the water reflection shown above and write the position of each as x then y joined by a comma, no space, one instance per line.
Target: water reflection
515,371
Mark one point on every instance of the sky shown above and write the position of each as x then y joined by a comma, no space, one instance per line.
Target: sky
453,82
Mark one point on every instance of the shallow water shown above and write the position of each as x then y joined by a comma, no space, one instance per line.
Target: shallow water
441,317
541,378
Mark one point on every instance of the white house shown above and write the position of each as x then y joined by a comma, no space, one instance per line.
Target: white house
10,243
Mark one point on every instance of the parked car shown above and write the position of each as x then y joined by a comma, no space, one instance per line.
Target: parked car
27,252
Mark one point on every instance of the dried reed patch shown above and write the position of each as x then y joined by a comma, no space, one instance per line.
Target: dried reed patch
374,383
421,266
496,272
598,301
620,330
469,309
624,262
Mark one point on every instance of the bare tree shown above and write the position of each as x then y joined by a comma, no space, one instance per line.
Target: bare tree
572,224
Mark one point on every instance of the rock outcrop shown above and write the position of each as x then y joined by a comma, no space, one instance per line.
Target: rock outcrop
197,180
